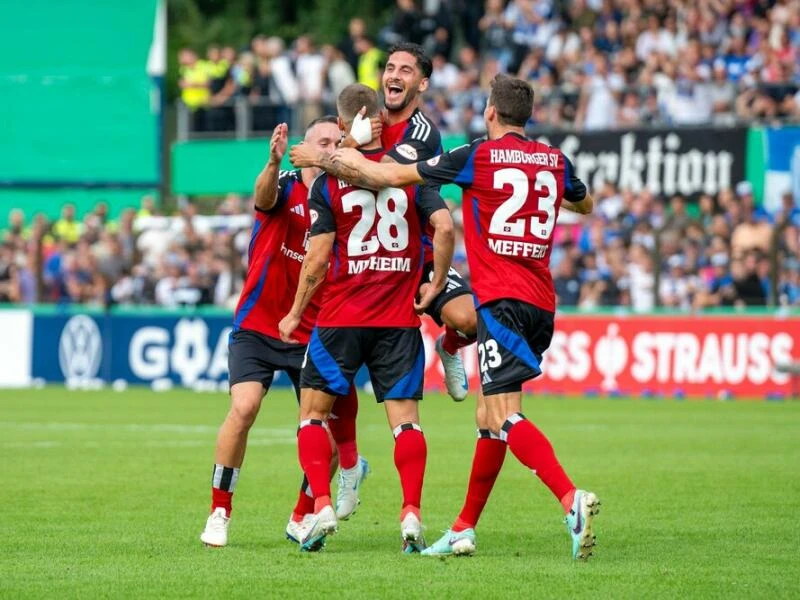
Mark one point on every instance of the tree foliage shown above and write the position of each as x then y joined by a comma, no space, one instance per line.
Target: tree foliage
199,23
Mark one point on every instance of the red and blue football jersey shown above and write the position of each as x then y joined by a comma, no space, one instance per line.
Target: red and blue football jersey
377,252
275,256
513,189
411,140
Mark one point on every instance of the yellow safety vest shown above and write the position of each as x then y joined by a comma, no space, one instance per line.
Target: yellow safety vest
369,68
196,95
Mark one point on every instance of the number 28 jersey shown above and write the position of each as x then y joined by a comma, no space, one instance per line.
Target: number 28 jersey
377,251
513,189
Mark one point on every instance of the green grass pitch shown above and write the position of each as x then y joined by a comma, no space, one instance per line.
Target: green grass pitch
105,494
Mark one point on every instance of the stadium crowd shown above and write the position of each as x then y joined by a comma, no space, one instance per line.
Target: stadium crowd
636,251
594,64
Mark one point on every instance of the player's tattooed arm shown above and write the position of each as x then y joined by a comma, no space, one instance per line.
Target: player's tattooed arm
315,266
376,175
303,156
266,192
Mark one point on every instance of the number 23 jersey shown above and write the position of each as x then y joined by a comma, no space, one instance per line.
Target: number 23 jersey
377,251
513,188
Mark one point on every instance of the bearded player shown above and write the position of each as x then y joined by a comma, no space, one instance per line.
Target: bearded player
276,251
513,190
367,318
408,136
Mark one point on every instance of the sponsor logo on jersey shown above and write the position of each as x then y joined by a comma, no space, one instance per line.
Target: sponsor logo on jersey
407,151
299,210
314,215
434,161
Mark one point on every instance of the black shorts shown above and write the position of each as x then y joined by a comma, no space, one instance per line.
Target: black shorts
512,337
456,286
253,356
395,358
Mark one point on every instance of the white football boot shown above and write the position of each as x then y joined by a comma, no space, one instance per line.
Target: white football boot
216,531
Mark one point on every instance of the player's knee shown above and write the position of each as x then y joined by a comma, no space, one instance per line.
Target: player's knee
494,422
244,412
463,319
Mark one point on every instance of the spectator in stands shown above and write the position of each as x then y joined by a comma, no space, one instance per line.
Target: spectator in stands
339,74
356,30
495,34
369,63
310,68
67,228
222,87
789,284
749,288
598,102
16,225
9,280
194,84
567,283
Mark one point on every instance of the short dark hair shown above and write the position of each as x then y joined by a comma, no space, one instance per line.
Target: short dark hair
353,97
324,119
423,60
513,100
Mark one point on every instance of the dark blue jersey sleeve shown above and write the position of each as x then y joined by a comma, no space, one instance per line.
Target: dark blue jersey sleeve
574,188
422,141
455,166
286,180
319,206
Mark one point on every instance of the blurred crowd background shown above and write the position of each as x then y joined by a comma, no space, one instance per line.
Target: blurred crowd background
635,252
594,65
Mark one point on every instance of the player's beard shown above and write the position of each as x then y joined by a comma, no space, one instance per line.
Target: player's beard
410,96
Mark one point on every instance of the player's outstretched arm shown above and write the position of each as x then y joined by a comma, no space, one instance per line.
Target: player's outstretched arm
375,175
266,192
582,207
315,266
444,239
304,156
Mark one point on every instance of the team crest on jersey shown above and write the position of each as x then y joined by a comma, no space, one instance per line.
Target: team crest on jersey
314,215
407,151
433,161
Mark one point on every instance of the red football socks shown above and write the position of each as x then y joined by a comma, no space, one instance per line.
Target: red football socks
533,450
453,340
221,498
567,500
305,502
486,464
342,424
410,456
314,451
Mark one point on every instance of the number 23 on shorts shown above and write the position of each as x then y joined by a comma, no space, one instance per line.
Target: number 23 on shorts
489,355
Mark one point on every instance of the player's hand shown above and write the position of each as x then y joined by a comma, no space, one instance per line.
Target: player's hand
279,142
286,328
348,157
376,123
427,294
361,130
303,155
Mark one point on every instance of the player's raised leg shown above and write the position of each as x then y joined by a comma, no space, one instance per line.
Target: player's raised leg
231,444
455,309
